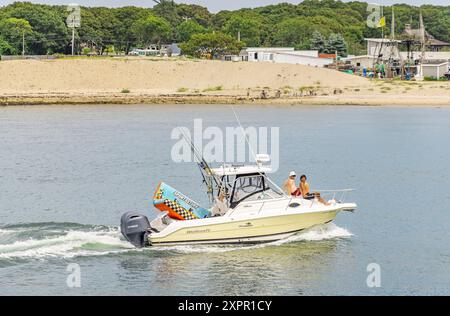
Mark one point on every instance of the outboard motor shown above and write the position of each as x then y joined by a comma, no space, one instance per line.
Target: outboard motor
135,228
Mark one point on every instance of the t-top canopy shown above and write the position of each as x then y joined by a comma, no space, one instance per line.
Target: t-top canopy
232,170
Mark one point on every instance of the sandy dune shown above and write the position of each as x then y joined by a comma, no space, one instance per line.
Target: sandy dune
144,79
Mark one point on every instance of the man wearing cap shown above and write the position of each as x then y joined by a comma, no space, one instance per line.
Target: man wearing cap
289,185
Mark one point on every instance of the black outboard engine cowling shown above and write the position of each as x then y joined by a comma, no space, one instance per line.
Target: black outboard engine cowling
135,228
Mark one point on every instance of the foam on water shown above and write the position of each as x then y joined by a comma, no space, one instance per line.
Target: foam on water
65,245
317,233
321,232
3,232
102,240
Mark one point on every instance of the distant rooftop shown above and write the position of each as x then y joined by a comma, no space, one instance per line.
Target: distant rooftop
434,62
430,39
269,49
381,40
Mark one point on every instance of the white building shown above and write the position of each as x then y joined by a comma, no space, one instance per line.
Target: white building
287,55
382,46
157,50
263,53
415,55
299,59
433,69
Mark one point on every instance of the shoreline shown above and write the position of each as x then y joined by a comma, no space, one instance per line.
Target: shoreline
206,99
173,81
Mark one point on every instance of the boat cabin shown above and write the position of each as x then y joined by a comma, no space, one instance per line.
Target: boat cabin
246,183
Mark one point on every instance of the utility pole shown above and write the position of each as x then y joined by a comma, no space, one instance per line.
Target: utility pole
422,37
239,36
73,21
23,43
73,40
336,54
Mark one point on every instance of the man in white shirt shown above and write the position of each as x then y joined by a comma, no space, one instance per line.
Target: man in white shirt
290,187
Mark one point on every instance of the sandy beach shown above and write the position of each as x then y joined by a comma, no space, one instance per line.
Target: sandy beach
146,80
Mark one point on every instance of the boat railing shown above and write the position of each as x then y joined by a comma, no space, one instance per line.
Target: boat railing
336,195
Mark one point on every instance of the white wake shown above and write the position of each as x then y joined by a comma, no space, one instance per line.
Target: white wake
94,242
71,244
317,233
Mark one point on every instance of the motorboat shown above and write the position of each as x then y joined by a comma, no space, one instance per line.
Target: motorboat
246,207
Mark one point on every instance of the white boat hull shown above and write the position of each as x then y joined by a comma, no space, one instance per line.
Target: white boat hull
250,229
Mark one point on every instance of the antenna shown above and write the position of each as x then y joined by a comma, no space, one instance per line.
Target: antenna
245,134
393,24
422,37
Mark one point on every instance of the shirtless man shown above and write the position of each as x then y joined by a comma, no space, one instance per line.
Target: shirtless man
289,185
304,188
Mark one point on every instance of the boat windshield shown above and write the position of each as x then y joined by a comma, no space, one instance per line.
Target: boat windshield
253,188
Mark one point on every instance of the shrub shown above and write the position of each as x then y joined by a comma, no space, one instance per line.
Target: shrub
217,88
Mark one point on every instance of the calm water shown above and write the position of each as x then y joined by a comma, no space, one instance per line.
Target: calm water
67,173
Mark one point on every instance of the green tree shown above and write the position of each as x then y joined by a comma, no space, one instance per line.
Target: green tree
6,48
317,42
14,31
168,10
86,51
273,25
336,43
185,30
152,29
105,26
110,49
294,32
126,38
50,33
199,14
249,29
213,44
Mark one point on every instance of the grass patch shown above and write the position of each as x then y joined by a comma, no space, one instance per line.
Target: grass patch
125,91
182,89
434,79
286,89
305,88
210,89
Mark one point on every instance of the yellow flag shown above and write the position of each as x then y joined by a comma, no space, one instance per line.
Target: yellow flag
382,22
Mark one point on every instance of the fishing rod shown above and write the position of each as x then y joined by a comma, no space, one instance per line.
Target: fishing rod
203,166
